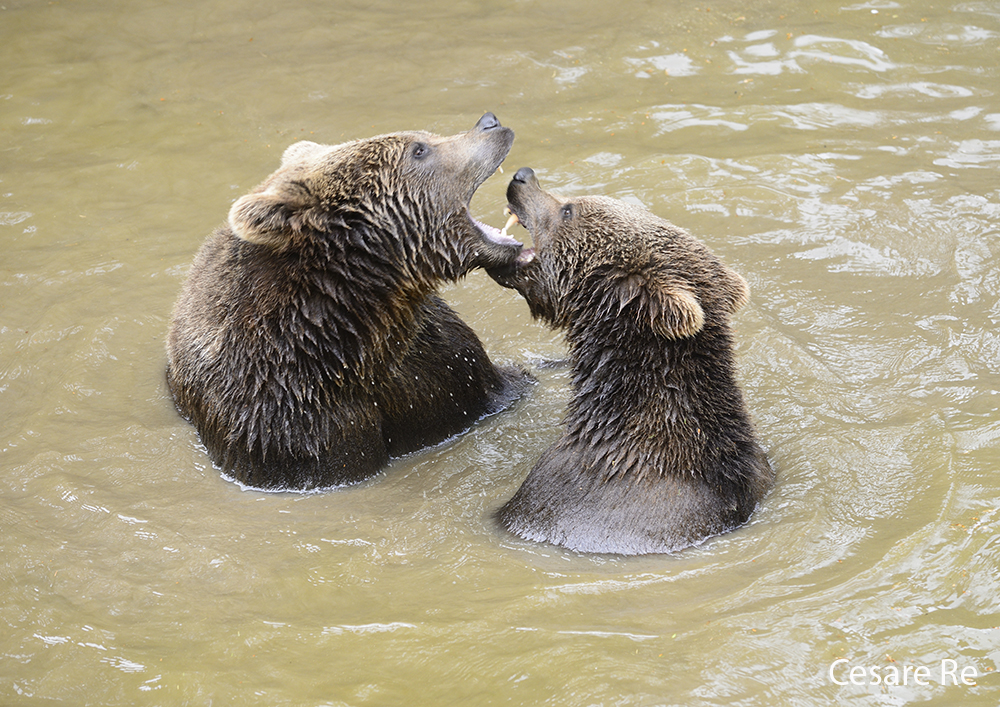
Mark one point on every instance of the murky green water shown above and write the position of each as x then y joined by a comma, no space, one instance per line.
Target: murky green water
845,158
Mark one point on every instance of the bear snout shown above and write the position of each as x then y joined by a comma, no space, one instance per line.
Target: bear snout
529,203
525,175
487,122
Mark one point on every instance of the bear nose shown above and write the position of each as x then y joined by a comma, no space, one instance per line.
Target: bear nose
526,175
488,122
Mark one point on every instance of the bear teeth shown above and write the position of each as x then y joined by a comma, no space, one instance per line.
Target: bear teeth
495,235
512,220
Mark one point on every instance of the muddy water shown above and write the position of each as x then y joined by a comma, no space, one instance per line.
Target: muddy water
844,157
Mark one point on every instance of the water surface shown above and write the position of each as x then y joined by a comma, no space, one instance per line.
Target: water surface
844,157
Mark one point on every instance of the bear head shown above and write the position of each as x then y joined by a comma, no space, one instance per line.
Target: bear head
595,255
403,197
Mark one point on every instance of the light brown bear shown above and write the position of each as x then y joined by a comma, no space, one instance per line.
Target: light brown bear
308,345
657,452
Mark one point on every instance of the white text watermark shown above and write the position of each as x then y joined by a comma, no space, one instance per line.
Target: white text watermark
949,672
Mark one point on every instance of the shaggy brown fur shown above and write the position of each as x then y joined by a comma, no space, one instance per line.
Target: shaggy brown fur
658,452
308,345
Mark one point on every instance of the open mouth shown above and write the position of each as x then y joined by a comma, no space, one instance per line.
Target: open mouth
527,254
512,220
495,235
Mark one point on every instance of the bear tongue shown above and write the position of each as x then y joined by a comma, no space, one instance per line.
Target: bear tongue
495,235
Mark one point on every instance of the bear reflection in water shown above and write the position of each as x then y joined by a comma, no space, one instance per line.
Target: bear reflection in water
657,451
308,345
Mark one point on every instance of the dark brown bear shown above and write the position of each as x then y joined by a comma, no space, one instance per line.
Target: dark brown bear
657,451
308,345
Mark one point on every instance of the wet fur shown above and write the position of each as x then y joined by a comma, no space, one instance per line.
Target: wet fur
657,451
308,345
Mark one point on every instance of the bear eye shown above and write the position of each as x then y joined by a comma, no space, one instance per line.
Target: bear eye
566,212
419,150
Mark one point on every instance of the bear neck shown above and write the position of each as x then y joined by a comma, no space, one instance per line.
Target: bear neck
645,406
356,302
410,236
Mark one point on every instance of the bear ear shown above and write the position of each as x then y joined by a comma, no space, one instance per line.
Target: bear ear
272,219
298,151
735,289
669,308
263,218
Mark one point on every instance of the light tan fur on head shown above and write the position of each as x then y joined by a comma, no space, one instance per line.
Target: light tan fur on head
667,279
670,308
301,151
259,218
284,203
